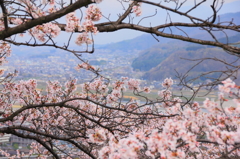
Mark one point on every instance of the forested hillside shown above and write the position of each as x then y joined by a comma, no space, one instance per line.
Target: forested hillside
163,60
175,63
150,58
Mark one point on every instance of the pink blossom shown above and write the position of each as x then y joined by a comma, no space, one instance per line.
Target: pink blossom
17,21
104,152
168,82
147,89
133,84
84,65
195,106
99,136
72,22
89,27
165,94
229,83
224,89
137,9
83,39
93,13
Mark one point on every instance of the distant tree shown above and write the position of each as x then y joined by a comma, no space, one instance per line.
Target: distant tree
96,122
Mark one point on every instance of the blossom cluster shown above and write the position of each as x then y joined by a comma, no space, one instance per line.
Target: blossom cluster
45,30
181,136
72,23
98,119
133,84
5,51
93,13
85,66
32,9
137,9
164,128
51,30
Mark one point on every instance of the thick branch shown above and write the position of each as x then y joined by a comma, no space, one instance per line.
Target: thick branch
155,31
4,10
111,27
63,104
44,19
12,130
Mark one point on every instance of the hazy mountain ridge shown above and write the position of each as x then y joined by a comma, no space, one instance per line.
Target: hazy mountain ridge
175,63
163,59
160,63
158,59
157,54
142,42
146,41
152,57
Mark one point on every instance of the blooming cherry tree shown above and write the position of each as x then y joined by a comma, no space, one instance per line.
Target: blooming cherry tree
96,122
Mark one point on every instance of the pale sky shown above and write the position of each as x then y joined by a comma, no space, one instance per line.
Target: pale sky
111,7
227,1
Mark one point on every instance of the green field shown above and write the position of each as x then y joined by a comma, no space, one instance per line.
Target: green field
153,95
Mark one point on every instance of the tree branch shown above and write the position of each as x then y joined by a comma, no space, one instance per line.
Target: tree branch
44,19
5,15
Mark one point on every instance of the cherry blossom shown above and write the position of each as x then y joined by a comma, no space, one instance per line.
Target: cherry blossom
133,84
93,13
84,65
137,9
89,27
72,22
83,38
168,82
94,119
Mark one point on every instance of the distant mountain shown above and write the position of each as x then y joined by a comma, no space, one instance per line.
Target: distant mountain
163,60
230,40
160,60
157,54
146,41
150,58
142,42
175,62
230,17
33,52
